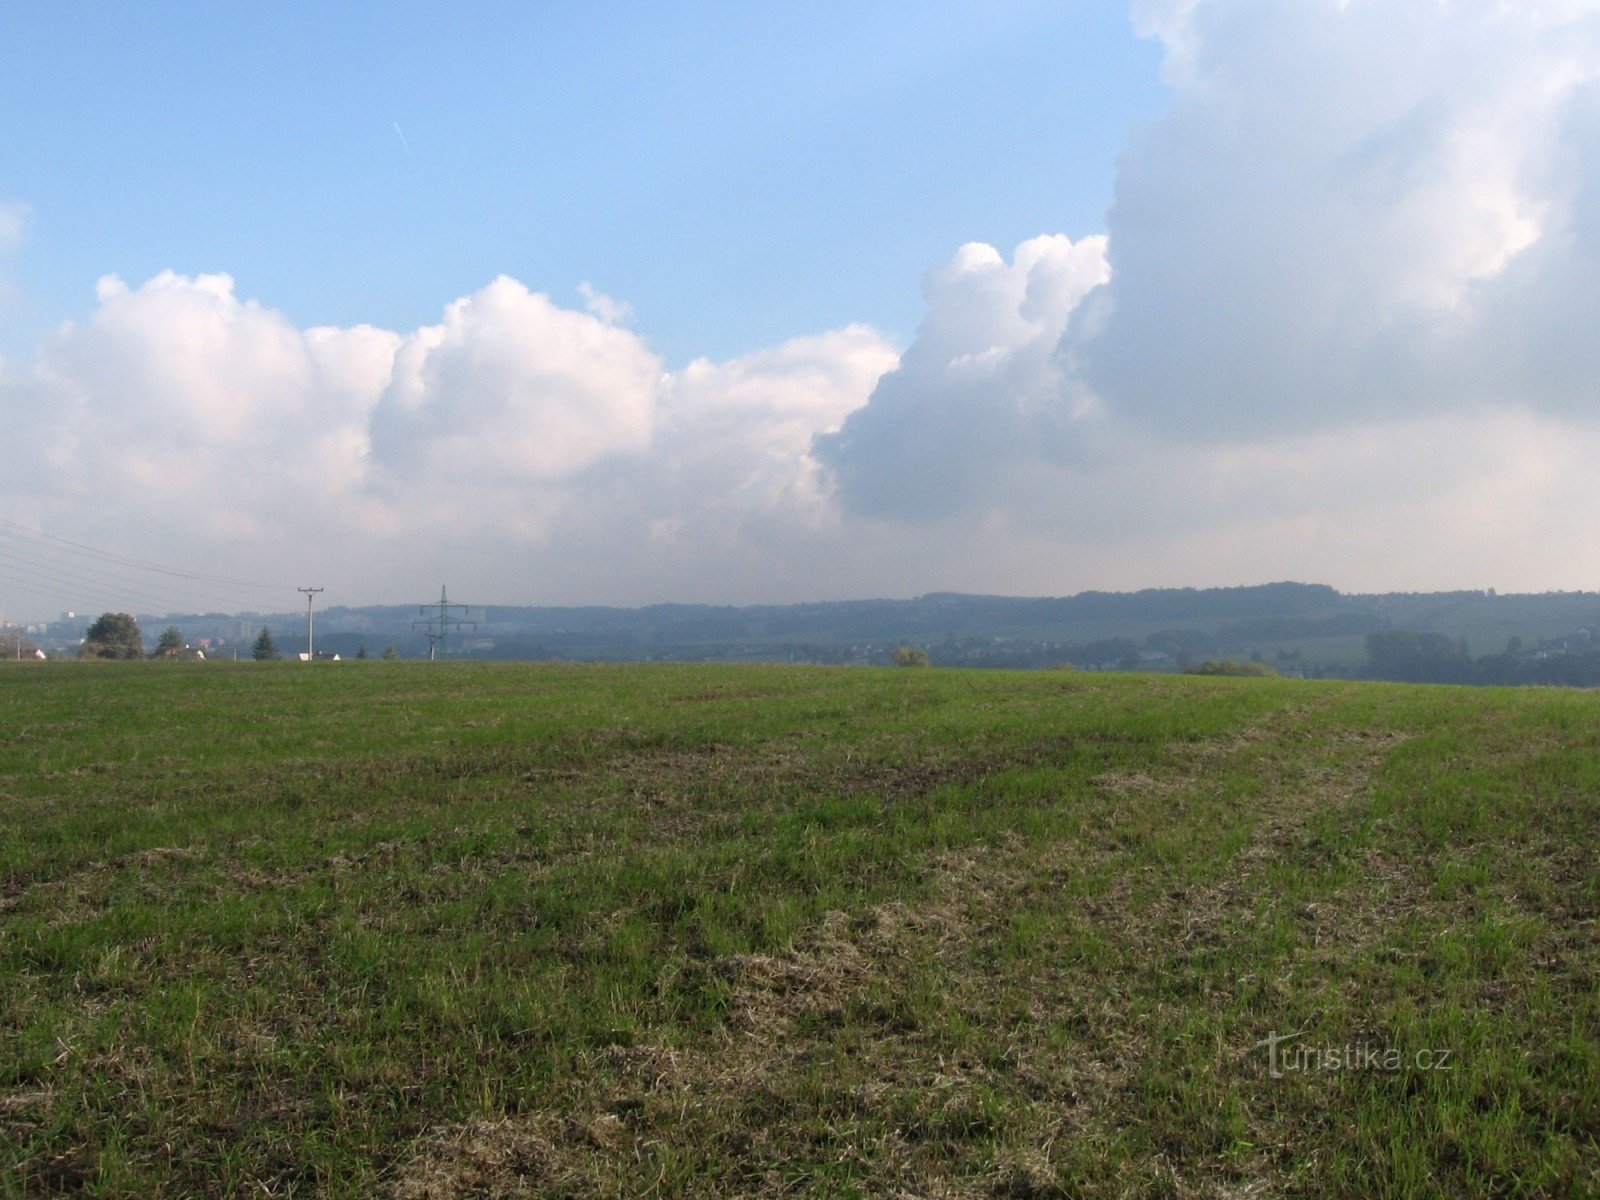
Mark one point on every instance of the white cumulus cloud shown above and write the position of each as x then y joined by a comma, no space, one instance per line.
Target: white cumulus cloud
512,386
1351,211
978,389
179,405
532,448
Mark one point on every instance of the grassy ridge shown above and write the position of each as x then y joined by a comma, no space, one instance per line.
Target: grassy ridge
393,929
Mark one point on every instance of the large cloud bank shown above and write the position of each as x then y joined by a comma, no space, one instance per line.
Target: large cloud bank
534,449
1341,326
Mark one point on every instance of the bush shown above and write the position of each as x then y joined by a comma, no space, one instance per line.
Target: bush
910,656
1228,667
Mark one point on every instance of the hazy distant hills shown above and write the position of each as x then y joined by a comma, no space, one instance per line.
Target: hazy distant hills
1299,628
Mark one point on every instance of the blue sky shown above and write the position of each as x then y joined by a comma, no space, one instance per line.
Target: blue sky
737,172
626,303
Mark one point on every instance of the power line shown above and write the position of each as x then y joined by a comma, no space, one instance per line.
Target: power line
35,561
66,579
40,535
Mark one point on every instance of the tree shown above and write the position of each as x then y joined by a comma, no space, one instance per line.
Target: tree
388,654
170,639
113,635
265,648
362,653
909,656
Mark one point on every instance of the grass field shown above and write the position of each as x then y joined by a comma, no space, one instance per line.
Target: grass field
419,931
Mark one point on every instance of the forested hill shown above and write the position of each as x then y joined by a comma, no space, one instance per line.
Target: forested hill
938,616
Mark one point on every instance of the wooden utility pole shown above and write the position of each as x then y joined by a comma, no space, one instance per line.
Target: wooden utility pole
311,652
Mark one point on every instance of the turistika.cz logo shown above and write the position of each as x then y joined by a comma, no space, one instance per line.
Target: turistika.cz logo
1287,1056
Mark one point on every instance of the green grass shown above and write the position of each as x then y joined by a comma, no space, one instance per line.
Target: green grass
494,930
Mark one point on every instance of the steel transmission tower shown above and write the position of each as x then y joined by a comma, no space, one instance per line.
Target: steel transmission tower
438,626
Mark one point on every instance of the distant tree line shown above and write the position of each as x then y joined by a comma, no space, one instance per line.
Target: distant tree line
117,636
1412,657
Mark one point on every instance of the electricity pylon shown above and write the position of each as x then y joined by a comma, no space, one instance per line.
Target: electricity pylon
437,628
